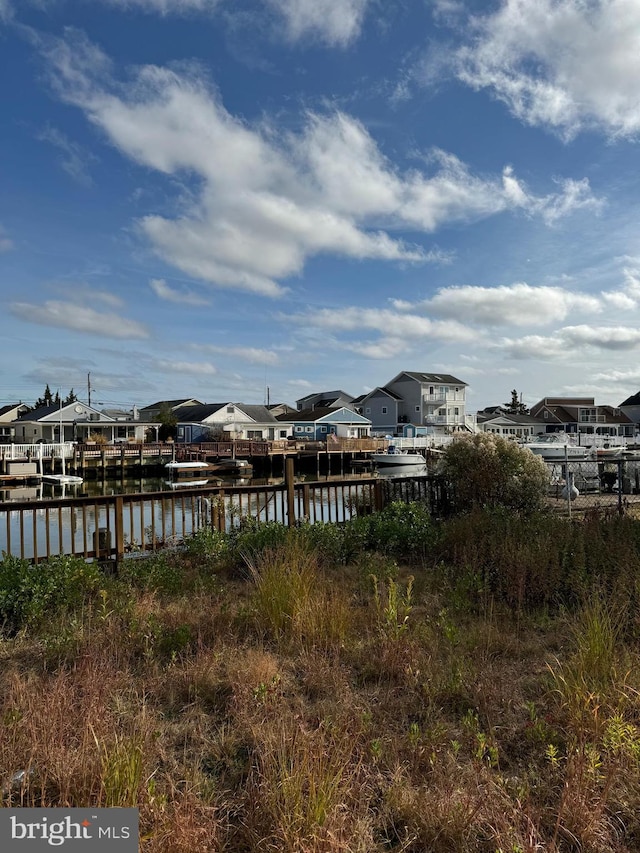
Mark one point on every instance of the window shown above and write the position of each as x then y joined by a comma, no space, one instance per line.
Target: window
323,429
384,410
368,411
546,415
299,429
283,433
417,408
229,410
309,429
254,433
456,411
431,390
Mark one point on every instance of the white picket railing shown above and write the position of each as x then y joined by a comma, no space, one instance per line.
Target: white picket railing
37,451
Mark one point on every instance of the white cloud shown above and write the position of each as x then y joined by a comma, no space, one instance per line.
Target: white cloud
79,318
570,341
184,297
337,22
268,201
563,64
390,324
6,11
168,7
517,304
74,159
191,368
254,355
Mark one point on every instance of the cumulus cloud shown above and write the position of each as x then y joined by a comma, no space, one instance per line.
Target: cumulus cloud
336,22
79,318
183,297
571,340
266,201
517,304
562,64
391,325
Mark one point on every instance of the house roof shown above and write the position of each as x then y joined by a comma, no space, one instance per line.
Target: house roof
442,378
172,404
564,415
326,395
311,415
634,400
516,420
40,412
4,410
387,391
199,413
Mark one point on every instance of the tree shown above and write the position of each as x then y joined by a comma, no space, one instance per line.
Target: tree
487,470
168,423
516,406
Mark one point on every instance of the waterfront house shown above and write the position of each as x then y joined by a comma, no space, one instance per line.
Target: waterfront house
320,424
509,425
9,413
77,421
224,421
581,415
433,400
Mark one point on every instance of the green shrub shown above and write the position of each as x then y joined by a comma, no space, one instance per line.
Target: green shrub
31,592
486,470
159,572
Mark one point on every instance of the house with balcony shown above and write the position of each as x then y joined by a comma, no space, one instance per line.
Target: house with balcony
433,403
581,415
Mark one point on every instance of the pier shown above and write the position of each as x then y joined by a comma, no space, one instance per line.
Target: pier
21,463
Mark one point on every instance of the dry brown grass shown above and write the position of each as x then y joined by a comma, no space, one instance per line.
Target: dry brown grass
325,721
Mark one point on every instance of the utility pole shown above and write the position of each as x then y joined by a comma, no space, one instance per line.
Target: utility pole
89,388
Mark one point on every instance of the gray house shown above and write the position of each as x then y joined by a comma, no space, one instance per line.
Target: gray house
432,400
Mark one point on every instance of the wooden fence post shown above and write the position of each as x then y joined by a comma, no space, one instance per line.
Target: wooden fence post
119,519
291,506
378,496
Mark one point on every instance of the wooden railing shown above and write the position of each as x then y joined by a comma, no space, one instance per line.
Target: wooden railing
113,526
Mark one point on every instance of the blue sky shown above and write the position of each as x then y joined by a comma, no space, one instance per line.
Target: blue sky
208,197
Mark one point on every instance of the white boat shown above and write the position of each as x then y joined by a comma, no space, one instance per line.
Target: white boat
557,447
187,484
394,456
389,472
187,466
63,479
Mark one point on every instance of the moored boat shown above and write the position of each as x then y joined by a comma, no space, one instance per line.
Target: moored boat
394,456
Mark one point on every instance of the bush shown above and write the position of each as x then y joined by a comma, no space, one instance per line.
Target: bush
486,470
30,592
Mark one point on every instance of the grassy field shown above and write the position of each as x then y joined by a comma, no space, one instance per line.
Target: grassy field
394,685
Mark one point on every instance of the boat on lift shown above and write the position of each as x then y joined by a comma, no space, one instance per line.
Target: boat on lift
557,447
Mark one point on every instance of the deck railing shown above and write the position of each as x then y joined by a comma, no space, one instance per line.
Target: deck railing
113,526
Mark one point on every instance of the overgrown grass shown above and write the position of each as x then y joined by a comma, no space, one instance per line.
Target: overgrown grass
395,684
